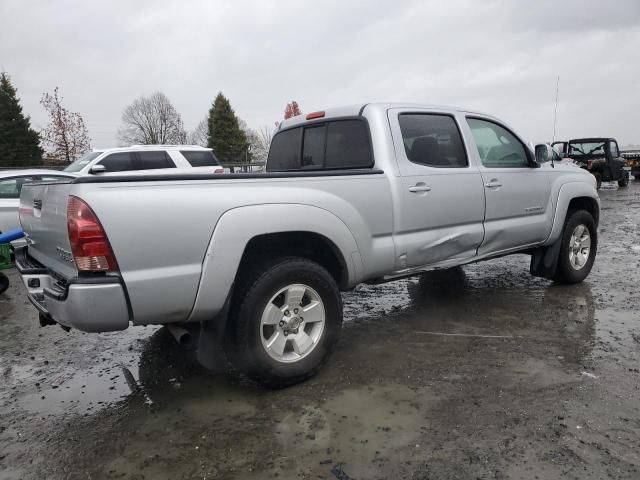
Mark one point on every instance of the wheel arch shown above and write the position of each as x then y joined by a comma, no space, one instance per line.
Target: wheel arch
244,234
301,243
589,204
573,196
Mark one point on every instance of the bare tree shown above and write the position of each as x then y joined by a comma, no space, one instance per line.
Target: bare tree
66,136
152,120
265,134
200,135
259,141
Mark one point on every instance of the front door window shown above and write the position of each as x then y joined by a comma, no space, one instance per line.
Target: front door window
497,147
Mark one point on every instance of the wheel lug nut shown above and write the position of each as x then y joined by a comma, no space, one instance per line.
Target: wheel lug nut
286,333
287,313
295,310
281,323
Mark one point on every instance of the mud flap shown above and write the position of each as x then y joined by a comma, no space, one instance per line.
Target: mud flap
210,350
544,260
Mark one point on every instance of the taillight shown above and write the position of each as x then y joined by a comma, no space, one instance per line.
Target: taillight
89,243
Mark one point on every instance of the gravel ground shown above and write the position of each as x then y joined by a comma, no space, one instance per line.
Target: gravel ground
480,372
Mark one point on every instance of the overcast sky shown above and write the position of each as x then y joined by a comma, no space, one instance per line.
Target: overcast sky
498,56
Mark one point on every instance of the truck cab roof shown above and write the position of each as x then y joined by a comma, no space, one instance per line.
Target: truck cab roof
359,109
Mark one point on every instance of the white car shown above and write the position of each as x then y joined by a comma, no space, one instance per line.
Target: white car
151,159
11,182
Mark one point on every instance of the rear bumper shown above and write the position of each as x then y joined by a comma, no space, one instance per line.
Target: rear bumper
96,304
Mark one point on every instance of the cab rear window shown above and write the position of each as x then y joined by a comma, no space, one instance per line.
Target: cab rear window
284,154
331,145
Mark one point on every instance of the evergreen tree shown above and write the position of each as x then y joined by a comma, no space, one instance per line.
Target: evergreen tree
19,143
224,134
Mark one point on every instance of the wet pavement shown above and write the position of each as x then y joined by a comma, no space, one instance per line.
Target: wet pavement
480,372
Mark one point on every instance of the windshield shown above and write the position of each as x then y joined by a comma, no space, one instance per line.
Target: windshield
586,148
82,162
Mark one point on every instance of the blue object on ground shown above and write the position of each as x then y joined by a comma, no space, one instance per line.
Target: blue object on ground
11,235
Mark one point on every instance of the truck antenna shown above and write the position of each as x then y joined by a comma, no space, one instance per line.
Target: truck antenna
555,115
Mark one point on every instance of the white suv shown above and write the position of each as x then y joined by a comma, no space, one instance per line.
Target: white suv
148,158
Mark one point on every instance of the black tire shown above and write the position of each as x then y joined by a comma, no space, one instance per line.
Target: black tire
4,283
565,272
598,180
254,291
624,179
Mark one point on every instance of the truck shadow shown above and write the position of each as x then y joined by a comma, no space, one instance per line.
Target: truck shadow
440,314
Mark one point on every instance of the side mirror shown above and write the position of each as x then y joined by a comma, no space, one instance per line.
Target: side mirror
544,153
97,169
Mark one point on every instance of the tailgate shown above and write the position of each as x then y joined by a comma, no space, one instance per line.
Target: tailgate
43,216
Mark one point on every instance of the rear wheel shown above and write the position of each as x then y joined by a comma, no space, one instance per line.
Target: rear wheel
285,321
578,248
624,179
598,180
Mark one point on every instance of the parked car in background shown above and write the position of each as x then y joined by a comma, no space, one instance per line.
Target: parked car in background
632,158
600,156
152,159
11,183
366,193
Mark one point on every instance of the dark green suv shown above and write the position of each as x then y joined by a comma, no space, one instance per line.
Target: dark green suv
600,156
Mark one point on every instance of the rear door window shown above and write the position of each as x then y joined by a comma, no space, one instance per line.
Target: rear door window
154,160
118,162
204,158
433,140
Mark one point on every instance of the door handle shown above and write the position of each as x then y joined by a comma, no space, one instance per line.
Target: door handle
419,188
494,183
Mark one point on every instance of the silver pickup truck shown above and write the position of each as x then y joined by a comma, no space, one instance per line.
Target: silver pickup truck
366,193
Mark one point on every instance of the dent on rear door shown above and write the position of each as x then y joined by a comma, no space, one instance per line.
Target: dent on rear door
440,203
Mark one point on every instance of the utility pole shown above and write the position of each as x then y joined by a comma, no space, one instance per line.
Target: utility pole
555,115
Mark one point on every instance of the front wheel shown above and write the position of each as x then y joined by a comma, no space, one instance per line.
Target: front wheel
286,320
578,248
